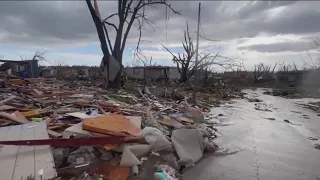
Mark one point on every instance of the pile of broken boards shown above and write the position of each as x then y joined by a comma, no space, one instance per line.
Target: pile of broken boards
151,141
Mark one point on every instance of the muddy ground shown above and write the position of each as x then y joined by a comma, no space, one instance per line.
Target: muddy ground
273,139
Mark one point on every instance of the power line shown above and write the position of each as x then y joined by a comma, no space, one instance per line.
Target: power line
204,35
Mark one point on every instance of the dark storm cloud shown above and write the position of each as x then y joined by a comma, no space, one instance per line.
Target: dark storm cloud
50,20
64,22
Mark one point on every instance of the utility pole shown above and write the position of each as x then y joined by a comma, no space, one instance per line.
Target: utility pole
196,75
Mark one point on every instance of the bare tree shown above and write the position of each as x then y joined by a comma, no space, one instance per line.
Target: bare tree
262,69
145,61
313,62
186,64
128,12
183,61
37,56
287,67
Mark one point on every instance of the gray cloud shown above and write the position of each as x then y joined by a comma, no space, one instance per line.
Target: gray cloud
62,22
279,47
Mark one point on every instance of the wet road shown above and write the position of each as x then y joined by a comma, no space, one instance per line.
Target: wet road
269,148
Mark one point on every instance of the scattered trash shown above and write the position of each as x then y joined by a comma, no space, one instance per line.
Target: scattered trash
296,112
314,106
287,93
317,146
262,107
287,121
36,119
103,134
254,100
271,119
312,138
165,172
305,116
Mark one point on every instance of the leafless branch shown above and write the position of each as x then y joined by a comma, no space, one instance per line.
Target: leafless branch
163,2
107,35
209,39
111,24
137,51
114,14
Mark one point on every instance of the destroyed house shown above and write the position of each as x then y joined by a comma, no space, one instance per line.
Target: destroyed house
152,72
238,75
13,67
65,71
47,72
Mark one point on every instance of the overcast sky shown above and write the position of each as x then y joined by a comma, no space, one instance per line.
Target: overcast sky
254,31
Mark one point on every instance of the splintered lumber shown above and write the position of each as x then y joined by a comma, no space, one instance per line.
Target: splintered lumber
54,134
6,107
56,94
19,115
31,113
37,92
101,109
8,99
13,118
165,122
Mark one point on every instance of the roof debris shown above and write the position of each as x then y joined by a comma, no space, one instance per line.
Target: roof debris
81,117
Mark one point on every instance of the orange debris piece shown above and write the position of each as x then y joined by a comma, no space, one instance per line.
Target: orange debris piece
114,124
111,170
165,122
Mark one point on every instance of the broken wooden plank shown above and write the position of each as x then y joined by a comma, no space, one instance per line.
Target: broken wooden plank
60,124
101,109
54,127
6,107
54,134
8,99
80,115
48,120
12,118
17,82
31,113
19,115
37,92
165,122
182,119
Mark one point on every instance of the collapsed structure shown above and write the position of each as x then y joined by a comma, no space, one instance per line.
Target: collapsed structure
98,133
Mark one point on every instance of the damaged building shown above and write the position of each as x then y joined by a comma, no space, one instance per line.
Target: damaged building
70,72
152,72
26,68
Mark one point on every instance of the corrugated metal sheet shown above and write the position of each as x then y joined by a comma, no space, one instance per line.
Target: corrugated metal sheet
22,161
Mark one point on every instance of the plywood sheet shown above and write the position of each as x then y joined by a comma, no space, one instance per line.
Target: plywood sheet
110,124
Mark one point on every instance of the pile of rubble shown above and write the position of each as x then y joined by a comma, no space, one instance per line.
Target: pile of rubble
98,134
289,93
314,106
